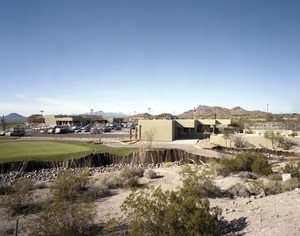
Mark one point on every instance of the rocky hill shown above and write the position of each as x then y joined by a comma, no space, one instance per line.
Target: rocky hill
14,117
208,111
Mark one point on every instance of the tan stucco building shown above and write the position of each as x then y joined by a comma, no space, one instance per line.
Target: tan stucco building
169,130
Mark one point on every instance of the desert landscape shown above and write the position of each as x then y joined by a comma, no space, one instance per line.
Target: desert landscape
259,209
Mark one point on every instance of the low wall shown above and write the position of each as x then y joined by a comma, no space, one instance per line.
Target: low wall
281,153
105,159
251,140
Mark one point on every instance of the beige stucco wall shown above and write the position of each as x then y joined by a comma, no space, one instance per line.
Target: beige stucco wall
50,120
163,130
255,140
188,123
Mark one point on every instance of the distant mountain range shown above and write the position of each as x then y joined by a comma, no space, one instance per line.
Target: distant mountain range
201,111
209,111
14,117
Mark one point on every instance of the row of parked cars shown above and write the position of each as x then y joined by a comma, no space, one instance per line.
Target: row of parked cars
15,132
86,129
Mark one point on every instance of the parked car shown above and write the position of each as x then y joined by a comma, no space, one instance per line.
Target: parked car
2,133
75,129
107,129
16,132
51,130
118,127
86,129
62,130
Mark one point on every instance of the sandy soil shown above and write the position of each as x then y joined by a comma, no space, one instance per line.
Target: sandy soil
270,215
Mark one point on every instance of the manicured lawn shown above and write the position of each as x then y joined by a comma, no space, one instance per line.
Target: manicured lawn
11,151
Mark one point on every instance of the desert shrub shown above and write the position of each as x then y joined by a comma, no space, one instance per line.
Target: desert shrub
268,188
155,212
290,184
275,177
97,190
20,200
40,185
70,187
63,218
239,190
150,174
131,182
293,169
129,176
217,169
196,184
5,189
273,187
112,180
246,161
129,172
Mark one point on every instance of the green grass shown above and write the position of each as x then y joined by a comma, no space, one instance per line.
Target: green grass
12,151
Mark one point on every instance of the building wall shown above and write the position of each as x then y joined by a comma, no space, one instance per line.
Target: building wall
252,140
160,130
168,130
50,120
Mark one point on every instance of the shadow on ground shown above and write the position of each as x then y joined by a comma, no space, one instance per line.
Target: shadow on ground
233,227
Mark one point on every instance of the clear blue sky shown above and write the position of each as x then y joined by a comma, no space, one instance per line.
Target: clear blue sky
68,56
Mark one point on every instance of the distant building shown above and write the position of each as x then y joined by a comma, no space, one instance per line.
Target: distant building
114,120
53,120
169,130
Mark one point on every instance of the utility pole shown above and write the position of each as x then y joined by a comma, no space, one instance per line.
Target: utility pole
41,115
92,116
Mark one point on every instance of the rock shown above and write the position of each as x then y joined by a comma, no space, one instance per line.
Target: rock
286,177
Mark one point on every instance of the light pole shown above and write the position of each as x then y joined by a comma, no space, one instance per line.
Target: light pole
41,115
92,116
268,108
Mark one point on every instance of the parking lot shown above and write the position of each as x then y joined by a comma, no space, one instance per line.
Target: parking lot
116,134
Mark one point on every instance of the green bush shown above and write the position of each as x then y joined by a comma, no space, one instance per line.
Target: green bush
70,187
197,184
63,218
155,212
246,161
293,169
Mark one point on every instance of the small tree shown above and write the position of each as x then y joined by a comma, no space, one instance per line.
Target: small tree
226,135
3,123
149,136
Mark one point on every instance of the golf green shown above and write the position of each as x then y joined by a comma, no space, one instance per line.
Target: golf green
12,151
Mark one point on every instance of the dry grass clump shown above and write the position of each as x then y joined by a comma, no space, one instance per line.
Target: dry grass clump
130,176
69,210
19,198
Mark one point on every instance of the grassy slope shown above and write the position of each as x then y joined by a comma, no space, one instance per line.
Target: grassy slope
53,150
